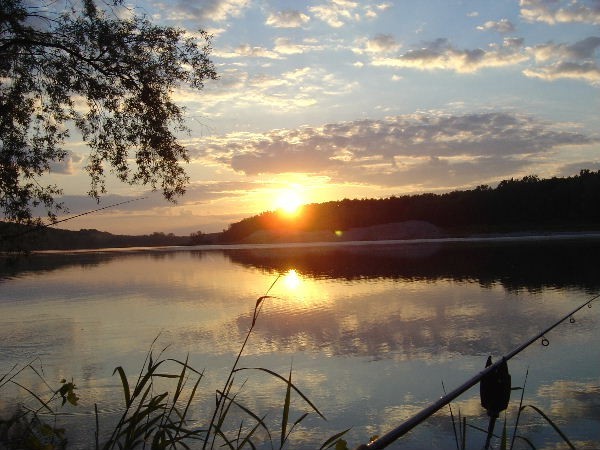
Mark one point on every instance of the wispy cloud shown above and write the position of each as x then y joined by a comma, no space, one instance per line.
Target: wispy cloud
287,19
336,12
441,55
291,90
561,11
576,71
247,51
286,46
68,166
502,26
581,50
381,43
207,10
549,61
197,193
429,148
575,61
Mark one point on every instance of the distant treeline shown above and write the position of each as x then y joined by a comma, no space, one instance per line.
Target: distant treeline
16,237
527,204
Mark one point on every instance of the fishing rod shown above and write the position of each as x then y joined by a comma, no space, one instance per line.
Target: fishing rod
48,225
401,430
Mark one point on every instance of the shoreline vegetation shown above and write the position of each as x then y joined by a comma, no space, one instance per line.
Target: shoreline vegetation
152,417
527,207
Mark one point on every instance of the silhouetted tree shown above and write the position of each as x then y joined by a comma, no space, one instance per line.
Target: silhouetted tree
111,78
198,238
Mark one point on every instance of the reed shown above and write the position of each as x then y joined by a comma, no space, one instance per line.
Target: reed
156,409
506,442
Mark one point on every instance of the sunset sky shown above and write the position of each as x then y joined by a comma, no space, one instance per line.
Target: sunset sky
333,99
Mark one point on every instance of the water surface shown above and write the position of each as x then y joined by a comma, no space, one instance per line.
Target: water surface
372,331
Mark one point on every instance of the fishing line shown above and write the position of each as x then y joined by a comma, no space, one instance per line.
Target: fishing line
48,225
96,210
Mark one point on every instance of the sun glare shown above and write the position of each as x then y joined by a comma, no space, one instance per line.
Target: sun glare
289,201
292,280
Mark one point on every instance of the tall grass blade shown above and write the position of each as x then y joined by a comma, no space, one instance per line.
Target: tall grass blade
503,441
464,433
260,420
146,378
460,431
297,422
187,366
514,436
292,385
45,404
330,442
97,431
247,438
229,380
286,408
452,418
125,384
527,441
187,406
556,428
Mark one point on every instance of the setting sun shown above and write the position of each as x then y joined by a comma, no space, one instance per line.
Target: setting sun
289,201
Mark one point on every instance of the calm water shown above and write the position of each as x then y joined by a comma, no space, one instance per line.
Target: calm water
371,331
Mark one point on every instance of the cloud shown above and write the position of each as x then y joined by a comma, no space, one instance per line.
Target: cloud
502,26
557,11
587,72
208,10
286,46
66,166
576,61
372,12
382,43
572,399
568,170
336,13
424,149
441,55
246,50
287,19
293,90
196,193
581,50
283,46
513,42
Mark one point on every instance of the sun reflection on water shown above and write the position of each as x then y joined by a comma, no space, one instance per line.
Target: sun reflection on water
301,293
292,280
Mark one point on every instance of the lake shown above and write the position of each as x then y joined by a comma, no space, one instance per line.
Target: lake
373,332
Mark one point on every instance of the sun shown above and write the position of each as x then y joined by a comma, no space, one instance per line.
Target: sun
289,201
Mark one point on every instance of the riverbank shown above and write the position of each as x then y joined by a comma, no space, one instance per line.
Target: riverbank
413,231
417,231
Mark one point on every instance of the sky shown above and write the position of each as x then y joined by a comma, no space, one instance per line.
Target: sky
332,99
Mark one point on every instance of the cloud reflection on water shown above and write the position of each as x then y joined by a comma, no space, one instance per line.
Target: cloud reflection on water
370,330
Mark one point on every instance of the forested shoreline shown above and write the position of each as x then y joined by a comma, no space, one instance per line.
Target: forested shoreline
527,204
15,237
514,205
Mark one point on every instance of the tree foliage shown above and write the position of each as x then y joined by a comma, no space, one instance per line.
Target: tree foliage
109,76
513,205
